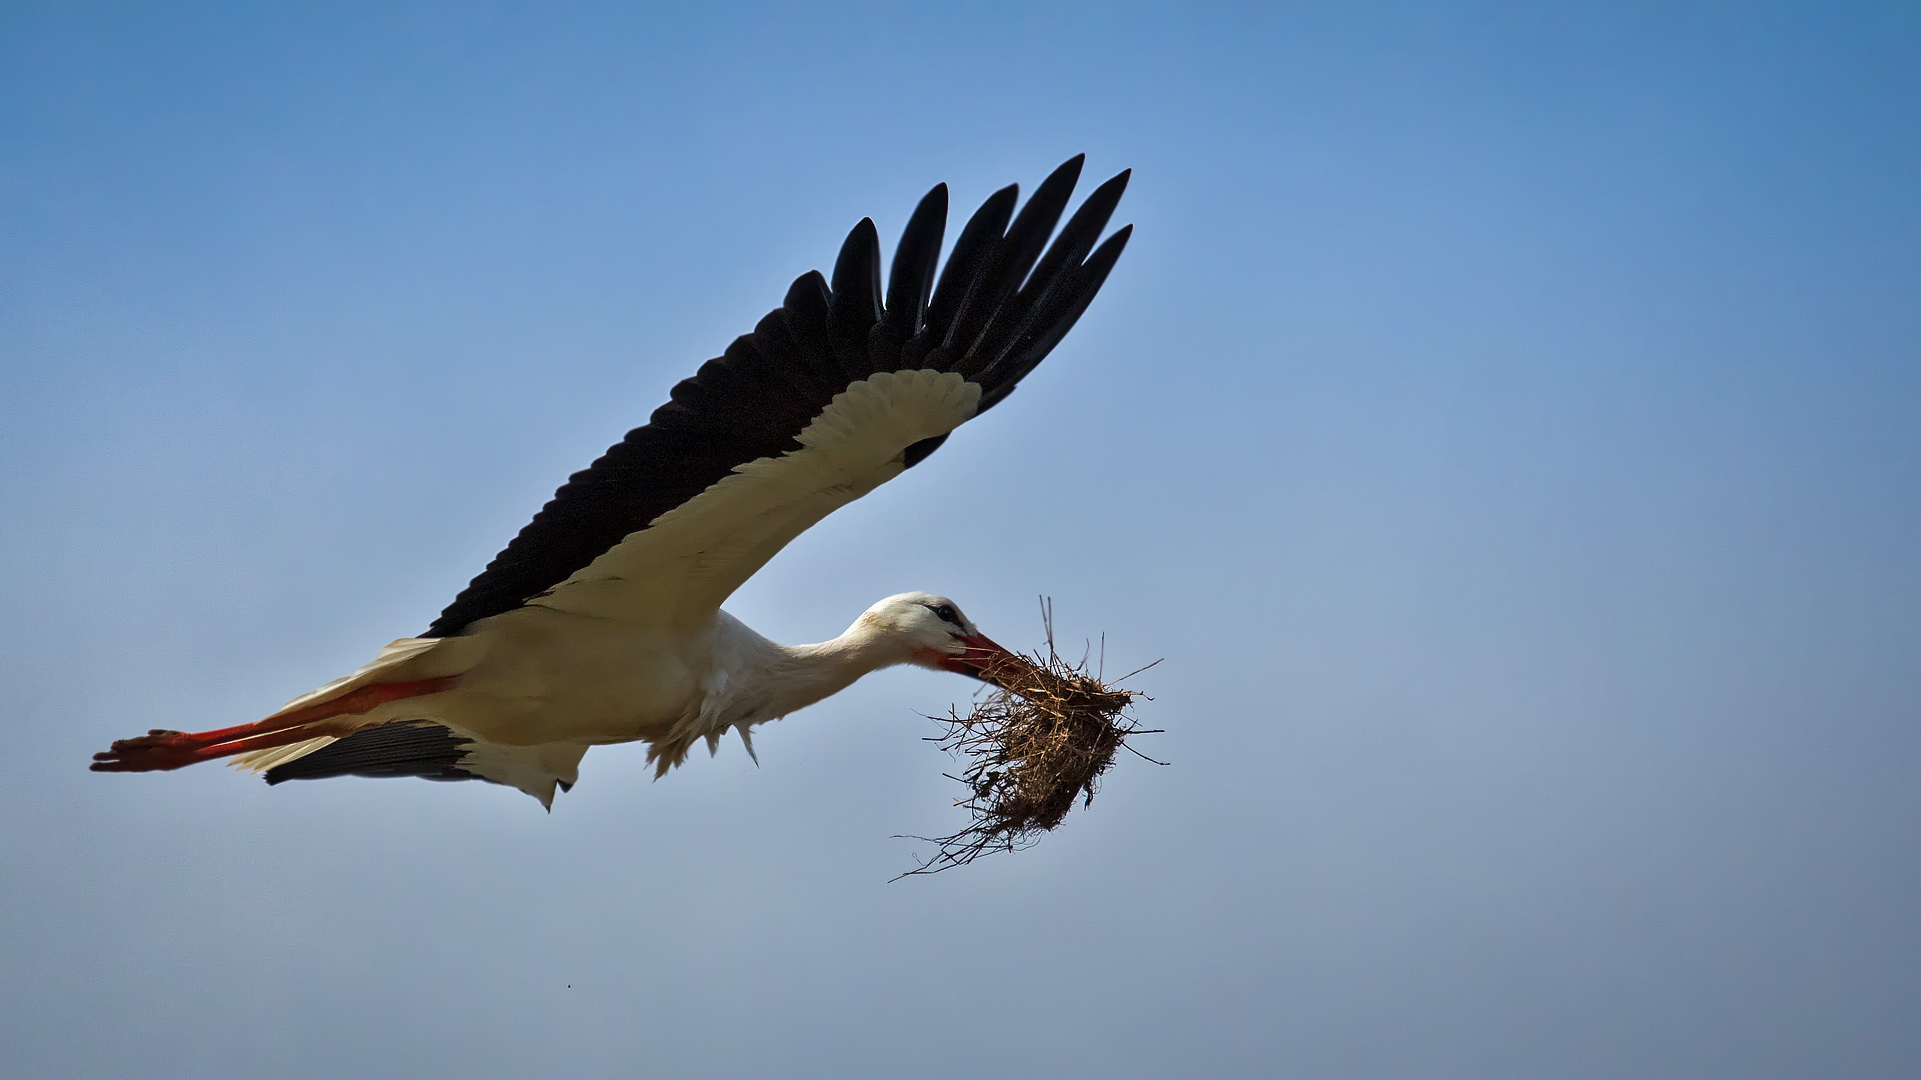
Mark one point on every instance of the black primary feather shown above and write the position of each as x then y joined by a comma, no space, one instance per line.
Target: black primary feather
911,283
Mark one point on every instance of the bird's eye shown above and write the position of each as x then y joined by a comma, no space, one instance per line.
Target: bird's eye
948,614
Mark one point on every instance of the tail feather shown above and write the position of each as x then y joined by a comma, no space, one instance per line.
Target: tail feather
261,760
384,667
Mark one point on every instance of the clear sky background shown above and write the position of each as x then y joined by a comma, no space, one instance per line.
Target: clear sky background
1506,423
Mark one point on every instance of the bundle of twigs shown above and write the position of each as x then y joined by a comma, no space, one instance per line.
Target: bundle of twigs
1031,748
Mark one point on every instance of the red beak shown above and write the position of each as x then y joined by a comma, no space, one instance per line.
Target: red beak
986,661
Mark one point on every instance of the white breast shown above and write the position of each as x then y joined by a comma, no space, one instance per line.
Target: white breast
549,676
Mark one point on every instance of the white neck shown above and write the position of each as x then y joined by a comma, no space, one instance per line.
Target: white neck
792,677
828,667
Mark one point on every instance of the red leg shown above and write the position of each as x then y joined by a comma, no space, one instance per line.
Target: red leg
162,749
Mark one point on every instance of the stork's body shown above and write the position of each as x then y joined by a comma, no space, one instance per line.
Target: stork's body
536,688
601,622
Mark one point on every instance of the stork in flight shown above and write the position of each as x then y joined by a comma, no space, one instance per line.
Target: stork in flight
601,622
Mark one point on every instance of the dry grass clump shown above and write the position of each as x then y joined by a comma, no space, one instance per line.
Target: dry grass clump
1031,748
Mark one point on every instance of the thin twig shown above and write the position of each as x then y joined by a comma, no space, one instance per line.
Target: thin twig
1032,749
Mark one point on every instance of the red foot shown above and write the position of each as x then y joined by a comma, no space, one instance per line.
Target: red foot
157,749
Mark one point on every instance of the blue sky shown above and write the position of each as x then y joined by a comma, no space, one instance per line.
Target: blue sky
1506,422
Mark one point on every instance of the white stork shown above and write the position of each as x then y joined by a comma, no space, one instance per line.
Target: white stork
601,622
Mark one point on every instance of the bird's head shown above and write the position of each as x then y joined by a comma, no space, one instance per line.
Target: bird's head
932,633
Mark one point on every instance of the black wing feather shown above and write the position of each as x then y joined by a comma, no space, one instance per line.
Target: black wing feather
912,280
1070,248
406,748
1015,255
973,253
1003,301
1047,333
855,306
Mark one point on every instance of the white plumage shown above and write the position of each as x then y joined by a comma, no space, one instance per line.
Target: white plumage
602,623
535,693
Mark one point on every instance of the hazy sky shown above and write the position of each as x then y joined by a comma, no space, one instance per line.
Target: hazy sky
1506,423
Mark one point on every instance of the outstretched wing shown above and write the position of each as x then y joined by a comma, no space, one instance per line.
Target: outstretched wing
837,391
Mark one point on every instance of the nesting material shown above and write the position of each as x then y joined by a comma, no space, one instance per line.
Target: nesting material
1030,749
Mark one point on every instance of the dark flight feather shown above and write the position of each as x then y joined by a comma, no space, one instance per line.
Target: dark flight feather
405,748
